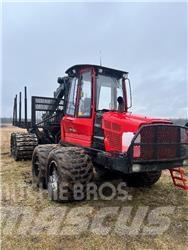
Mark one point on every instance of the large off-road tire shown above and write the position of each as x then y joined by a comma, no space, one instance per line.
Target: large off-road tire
145,179
68,168
39,164
22,145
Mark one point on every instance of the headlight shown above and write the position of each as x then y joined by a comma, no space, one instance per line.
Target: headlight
185,163
136,167
126,140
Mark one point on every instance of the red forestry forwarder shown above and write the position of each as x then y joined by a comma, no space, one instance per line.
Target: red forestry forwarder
86,124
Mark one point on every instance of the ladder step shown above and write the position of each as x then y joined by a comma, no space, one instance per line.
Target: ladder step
179,178
178,170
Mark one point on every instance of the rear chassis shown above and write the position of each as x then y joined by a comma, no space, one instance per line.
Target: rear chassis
153,148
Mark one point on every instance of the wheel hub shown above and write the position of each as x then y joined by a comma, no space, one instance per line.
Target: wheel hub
53,180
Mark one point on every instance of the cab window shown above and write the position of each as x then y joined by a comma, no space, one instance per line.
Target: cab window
84,109
71,105
109,89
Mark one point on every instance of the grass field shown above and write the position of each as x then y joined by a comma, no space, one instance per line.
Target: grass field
18,194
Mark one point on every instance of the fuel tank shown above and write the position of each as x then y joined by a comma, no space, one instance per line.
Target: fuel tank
120,128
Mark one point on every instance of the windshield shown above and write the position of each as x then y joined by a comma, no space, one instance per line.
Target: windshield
110,93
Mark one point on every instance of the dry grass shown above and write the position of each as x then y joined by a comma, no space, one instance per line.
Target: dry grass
18,175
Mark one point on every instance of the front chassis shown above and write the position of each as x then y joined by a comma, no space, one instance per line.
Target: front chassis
153,148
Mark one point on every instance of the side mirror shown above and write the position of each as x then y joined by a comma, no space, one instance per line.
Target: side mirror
129,93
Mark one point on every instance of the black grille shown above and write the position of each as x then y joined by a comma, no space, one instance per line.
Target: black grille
160,143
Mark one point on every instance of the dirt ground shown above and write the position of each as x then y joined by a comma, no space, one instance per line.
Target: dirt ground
18,195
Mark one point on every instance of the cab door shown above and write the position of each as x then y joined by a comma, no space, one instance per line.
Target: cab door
67,123
78,121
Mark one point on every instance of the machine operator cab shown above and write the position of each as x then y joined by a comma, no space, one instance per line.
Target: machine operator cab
93,90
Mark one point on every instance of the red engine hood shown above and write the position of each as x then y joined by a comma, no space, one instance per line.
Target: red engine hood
128,122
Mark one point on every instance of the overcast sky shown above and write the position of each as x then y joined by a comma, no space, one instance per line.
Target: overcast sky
149,40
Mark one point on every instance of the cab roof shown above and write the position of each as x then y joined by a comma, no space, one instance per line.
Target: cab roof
74,70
